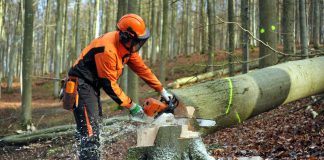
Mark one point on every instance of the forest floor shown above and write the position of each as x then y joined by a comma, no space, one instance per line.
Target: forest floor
286,132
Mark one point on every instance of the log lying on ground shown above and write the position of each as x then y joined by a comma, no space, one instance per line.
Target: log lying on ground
54,132
193,79
231,100
168,141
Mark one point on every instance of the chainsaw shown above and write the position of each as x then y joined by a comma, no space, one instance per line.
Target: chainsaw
155,108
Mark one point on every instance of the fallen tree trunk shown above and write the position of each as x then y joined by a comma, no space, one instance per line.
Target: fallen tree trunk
231,100
193,79
59,131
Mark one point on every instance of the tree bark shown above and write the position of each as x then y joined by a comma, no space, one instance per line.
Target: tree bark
122,9
303,28
77,31
245,37
165,44
26,116
288,21
211,34
153,32
2,39
203,27
58,48
65,55
13,52
316,24
132,80
322,21
97,26
268,25
231,37
231,100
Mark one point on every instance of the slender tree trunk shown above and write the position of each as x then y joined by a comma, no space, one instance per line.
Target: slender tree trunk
58,49
165,35
316,24
26,117
132,84
245,37
65,42
122,9
77,31
211,34
97,28
303,28
45,37
173,33
288,21
153,32
2,38
322,21
22,27
186,28
13,52
279,28
268,25
297,24
203,27
231,37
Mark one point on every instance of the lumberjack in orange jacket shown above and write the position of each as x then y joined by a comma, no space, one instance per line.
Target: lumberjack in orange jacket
99,66
109,56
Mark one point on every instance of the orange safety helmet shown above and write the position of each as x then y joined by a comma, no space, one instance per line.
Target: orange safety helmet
132,32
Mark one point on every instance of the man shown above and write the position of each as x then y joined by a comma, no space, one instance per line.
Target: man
99,66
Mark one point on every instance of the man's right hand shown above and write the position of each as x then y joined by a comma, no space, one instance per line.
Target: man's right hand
136,111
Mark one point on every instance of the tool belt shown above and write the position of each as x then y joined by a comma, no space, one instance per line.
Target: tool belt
69,93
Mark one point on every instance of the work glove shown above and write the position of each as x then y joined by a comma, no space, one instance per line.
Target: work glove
136,111
166,95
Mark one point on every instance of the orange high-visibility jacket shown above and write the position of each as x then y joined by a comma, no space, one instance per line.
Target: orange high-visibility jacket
101,64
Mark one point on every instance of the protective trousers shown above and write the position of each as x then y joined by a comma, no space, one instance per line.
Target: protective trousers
87,115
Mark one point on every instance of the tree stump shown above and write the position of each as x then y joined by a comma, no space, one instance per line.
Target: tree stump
166,142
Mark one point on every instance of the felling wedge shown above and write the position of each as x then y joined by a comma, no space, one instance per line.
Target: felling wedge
168,137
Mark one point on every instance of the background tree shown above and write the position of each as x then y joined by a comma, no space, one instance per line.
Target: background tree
45,37
165,46
316,23
122,9
2,38
132,79
77,31
268,25
211,36
97,24
58,49
153,38
245,37
231,37
26,117
203,27
322,21
303,28
288,23
13,50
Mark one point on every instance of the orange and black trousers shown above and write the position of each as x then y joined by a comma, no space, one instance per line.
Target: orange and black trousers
87,115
